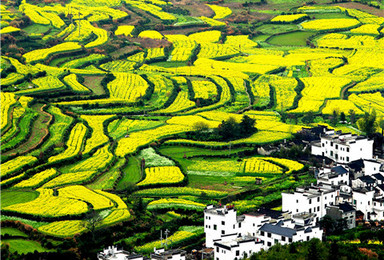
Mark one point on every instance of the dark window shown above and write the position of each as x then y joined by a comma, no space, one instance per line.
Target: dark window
331,153
237,252
269,244
331,143
239,225
347,150
276,241
290,240
222,232
217,249
214,227
310,201
222,223
269,234
318,208
307,238
310,210
318,199
262,233
282,238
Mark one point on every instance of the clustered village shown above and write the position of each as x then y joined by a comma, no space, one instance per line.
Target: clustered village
349,189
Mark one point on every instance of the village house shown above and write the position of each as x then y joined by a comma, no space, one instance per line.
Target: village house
232,236
173,254
343,211
112,253
234,247
337,175
313,199
342,148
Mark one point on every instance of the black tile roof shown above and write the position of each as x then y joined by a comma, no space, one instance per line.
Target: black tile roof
346,207
379,176
339,170
274,214
367,179
282,231
357,165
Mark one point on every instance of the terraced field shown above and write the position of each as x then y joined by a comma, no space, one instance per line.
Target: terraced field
139,112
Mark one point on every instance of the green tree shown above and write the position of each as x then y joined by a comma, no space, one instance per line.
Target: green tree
352,116
247,125
335,118
368,123
227,128
92,221
381,124
316,250
342,116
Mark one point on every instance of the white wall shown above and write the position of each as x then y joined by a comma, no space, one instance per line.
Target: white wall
237,252
363,201
217,225
299,202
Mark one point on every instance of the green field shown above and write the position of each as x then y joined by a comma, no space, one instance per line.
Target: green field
9,197
22,246
13,232
294,38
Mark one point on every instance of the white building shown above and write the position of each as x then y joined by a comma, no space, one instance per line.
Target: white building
373,166
288,231
234,247
233,236
219,221
337,175
112,253
173,254
343,148
313,199
364,200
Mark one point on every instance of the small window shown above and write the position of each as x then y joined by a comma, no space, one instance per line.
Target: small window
269,244
223,223
222,232
310,201
214,227
318,208
269,234
347,150
237,252
290,240
217,249
282,238
262,233
239,225
318,199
